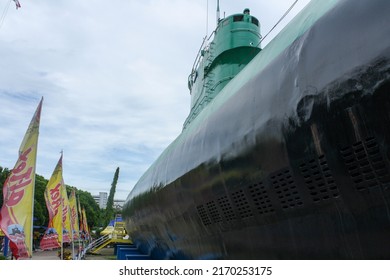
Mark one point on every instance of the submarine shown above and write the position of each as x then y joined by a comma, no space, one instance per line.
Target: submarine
285,152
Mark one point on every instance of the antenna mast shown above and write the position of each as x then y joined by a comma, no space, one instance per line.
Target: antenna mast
218,17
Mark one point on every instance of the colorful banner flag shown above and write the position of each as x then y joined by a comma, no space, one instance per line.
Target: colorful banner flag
66,224
16,216
53,197
85,225
81,223
74,217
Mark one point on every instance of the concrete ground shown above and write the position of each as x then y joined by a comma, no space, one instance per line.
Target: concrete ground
104,254
45,255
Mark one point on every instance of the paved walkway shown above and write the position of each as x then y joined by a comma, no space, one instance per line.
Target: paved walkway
45,255
104,254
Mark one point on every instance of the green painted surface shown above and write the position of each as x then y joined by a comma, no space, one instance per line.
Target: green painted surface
236,41
294,30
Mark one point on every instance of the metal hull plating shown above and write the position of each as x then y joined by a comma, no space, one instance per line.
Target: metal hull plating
290,161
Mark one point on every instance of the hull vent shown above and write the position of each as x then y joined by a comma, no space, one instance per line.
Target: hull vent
318,179
286,190
226,207
213,211
366,164
242,204
203,215
261,199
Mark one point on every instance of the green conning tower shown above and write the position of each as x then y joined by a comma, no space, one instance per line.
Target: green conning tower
235,42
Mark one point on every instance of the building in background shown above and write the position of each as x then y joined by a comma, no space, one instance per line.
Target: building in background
102,198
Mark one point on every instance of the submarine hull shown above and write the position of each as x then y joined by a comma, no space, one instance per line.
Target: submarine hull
291,160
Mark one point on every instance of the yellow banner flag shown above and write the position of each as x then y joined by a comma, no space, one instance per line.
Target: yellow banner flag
53,197
16,219
66,224
81,224
85,225
74,217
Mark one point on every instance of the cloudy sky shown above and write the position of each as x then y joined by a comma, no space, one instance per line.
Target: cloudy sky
113,75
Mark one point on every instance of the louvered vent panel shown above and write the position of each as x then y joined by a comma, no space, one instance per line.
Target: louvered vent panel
203,215
366,164
286,190
242,204
213,212
261,198
319,179
226,207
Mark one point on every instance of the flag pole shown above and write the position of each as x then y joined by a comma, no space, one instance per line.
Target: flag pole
71,232
81,240
62,230
62,211
33,192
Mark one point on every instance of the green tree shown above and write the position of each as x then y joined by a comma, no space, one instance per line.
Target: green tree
109,213
41,214
4,172
92,210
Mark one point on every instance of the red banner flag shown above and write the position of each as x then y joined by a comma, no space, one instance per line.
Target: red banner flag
53,235
16,218
74,217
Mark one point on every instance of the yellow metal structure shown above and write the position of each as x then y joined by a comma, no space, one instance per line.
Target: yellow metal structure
117,235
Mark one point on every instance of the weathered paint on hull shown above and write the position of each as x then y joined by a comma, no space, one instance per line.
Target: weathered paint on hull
290,161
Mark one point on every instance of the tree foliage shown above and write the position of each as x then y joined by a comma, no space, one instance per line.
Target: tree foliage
41,214
92,210
109,213
4,172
